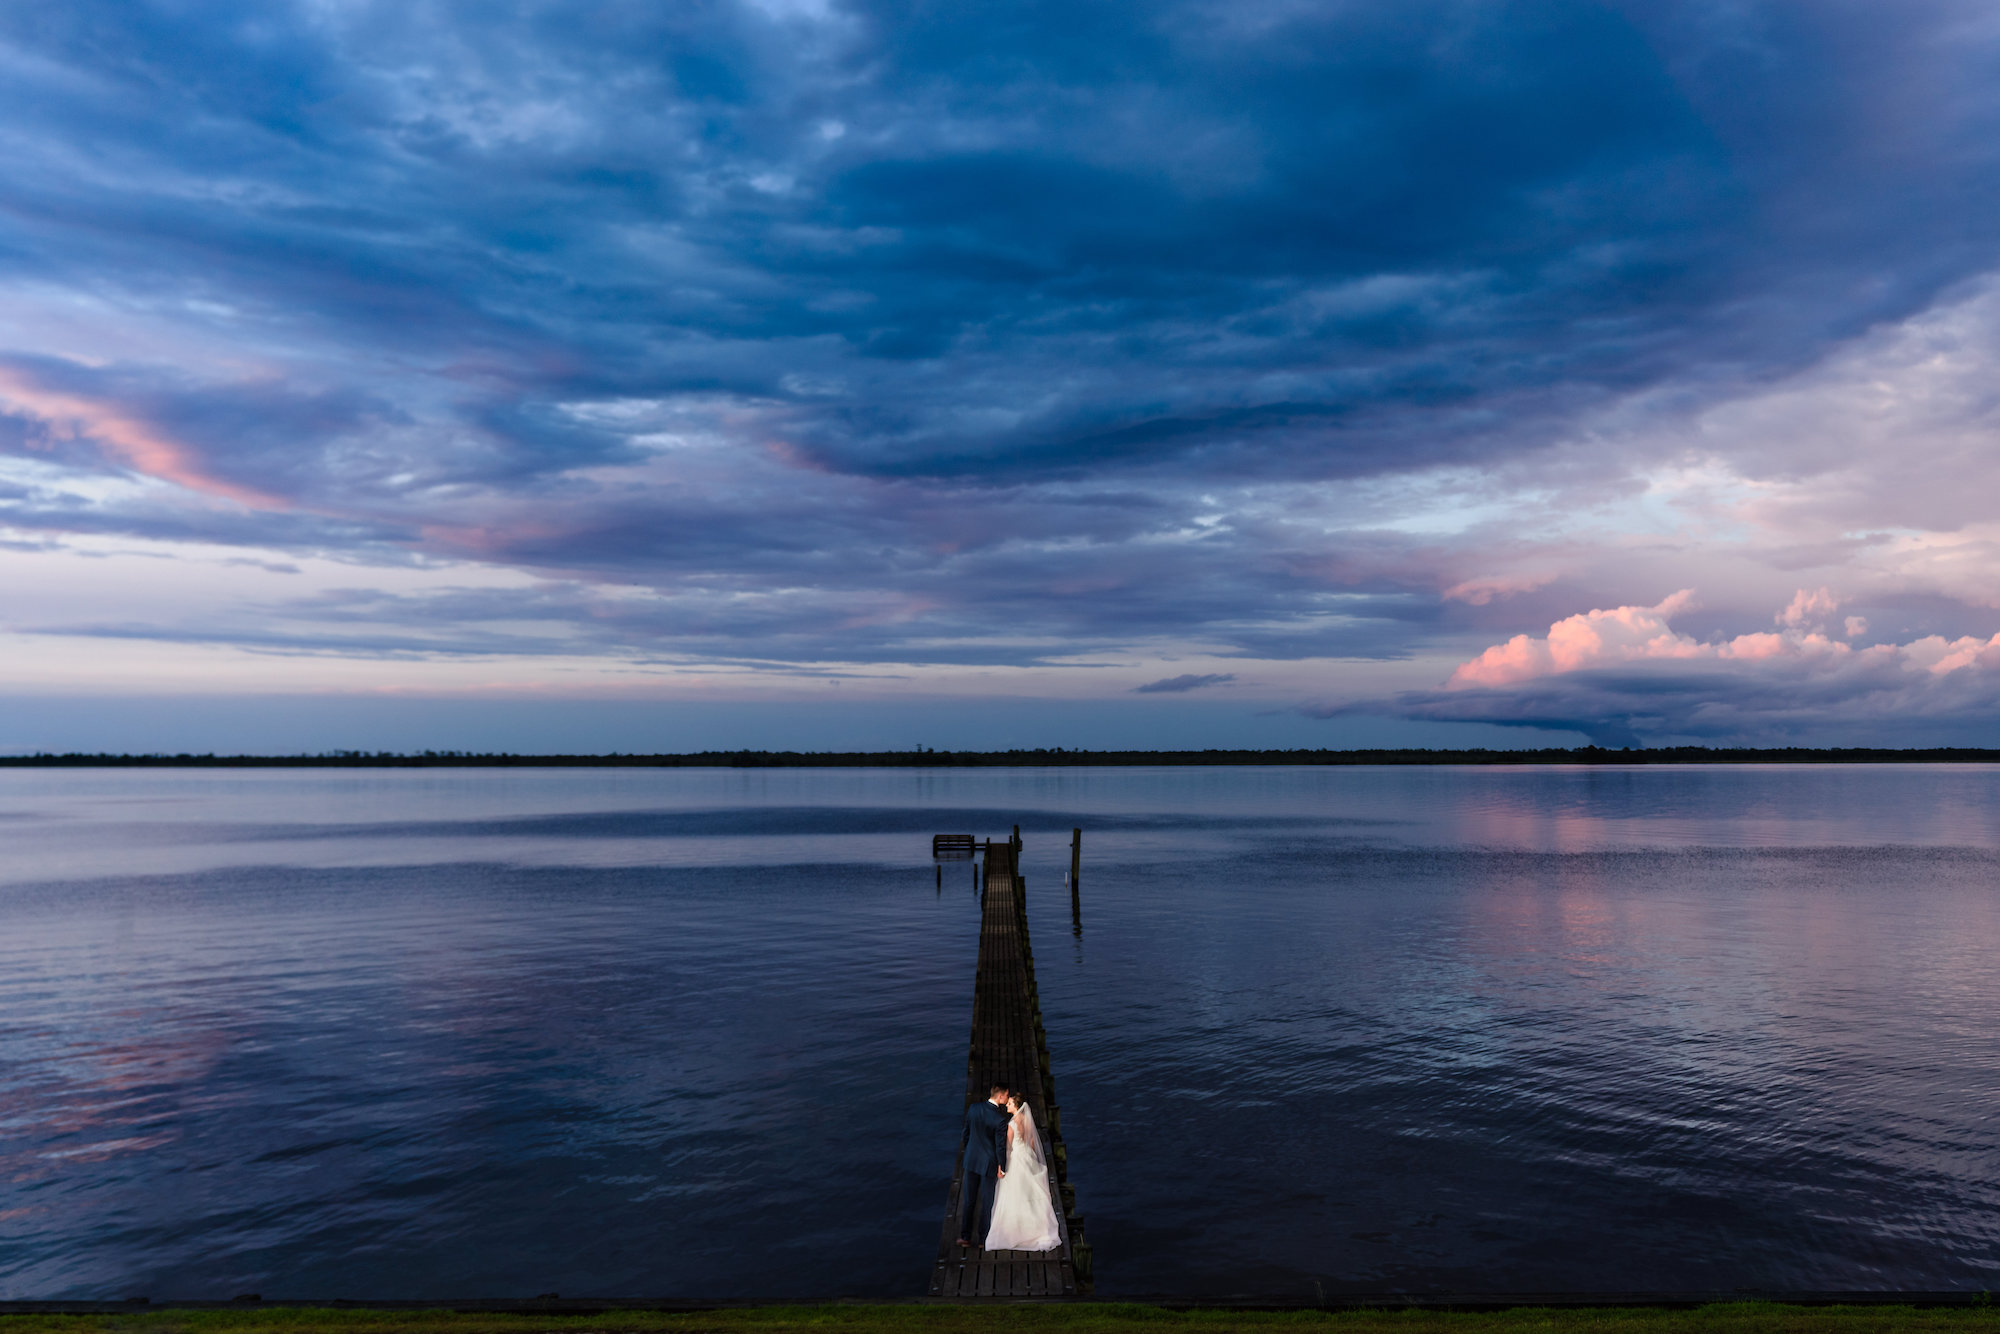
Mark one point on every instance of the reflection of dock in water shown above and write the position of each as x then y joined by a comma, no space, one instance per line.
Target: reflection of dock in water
1008,1043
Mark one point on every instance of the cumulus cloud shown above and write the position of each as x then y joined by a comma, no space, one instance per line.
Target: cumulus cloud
1578,643
1625,675
1599,639
1807,609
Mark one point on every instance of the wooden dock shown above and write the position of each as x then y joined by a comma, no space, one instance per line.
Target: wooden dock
1009,1043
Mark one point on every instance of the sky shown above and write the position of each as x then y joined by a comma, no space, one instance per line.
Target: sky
823,375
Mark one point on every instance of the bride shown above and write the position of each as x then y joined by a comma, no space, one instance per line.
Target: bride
1024,1217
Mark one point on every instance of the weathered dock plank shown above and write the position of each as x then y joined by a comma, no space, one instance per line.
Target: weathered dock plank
1009,1043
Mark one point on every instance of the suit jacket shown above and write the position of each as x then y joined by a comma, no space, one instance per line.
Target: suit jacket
984,1142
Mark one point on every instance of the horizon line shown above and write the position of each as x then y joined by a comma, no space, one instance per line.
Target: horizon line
1056,756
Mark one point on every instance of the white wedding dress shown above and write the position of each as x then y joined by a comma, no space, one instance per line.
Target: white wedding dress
1024,1215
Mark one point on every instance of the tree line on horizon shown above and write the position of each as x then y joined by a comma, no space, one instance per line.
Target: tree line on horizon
922,757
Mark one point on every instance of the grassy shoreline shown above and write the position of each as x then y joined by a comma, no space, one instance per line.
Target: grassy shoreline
1062,1318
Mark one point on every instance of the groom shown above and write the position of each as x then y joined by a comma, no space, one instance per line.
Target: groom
983,1149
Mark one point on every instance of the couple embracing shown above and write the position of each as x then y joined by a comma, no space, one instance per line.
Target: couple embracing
1005,1180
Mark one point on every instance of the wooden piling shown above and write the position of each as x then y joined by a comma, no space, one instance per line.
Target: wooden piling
1075,878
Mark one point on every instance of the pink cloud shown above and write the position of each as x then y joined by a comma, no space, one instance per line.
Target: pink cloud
1808,609
143,447
1625,635
1939,656
1480,592
1625,676
1593,639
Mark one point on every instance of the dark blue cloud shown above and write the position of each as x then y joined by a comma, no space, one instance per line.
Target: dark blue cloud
1168,200
1175,685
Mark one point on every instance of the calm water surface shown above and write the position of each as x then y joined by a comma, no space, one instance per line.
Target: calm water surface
679,1033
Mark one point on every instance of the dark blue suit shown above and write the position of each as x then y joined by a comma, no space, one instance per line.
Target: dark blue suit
983,1151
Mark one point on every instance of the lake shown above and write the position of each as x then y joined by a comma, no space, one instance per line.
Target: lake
701,1033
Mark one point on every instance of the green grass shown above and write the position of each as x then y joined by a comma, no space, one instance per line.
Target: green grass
1073,1318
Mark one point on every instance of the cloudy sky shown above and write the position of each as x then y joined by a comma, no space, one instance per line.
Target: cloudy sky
804,372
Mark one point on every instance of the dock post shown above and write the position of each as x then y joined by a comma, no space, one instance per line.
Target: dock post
1075,875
